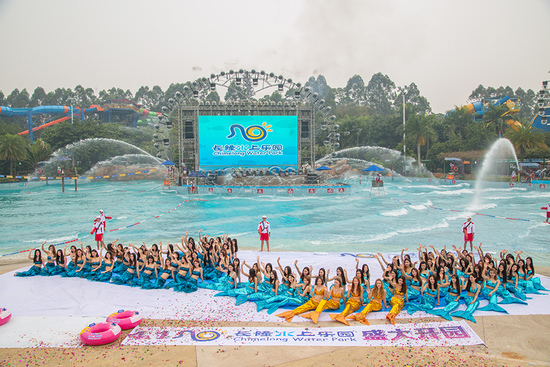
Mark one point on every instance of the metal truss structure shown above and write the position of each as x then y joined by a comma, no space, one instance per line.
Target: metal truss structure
186,106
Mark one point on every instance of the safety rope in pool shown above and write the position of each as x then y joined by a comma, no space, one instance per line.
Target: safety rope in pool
101,192
111,230
462,211
79,177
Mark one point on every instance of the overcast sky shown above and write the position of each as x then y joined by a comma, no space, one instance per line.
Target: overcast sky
446,47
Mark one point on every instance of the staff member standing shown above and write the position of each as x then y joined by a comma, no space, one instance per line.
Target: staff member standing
469,230
102,223
98,229
265,231
547,208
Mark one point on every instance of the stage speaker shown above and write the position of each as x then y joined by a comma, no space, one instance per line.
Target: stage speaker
305,129
188,132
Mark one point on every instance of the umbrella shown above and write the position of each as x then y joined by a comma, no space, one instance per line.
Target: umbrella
196,174
374,168
168,163
323,168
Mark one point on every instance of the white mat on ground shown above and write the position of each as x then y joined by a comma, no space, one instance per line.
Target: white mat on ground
42,332
429,334
60,297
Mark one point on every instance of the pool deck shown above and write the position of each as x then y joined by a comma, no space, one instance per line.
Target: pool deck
510,341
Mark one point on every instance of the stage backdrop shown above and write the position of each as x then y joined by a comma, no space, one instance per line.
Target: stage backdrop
227,142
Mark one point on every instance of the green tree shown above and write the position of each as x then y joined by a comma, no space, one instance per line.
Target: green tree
528,104
354,92
213,97
274,97
414,98
84,97
13,148
37,97
525,138
418,129
499,117
235,93
18,99
115,93
38,151
380,93
151,99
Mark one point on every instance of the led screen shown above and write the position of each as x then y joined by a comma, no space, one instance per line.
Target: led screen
248,142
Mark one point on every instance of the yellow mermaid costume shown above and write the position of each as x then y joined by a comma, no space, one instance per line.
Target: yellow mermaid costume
332,304
352,305
374,305
397,304
308,306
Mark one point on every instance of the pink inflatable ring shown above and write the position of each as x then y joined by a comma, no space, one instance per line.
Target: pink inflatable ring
5,316
125,319
99,334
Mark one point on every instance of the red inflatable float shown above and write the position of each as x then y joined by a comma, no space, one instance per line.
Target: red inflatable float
125,319
100,334
5,316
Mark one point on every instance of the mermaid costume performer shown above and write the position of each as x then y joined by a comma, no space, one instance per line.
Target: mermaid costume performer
352,304
427,302
159,282
397,304
34,270
470,309
103,275
374,305
332,304
452,299
485,292
189,285
310,305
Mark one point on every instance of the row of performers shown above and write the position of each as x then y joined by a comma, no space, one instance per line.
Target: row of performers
213,265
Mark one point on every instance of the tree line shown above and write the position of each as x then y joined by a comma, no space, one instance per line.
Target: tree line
369,113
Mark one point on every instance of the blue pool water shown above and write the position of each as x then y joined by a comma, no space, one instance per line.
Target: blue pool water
348,223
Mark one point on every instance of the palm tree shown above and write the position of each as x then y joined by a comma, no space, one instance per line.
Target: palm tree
13,148
498,114
526,137
38,151
418,128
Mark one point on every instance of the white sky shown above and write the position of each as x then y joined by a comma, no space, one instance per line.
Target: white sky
446,47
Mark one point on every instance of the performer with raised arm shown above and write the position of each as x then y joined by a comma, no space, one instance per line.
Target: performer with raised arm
102,220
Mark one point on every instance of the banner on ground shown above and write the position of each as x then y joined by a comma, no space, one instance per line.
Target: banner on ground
427,334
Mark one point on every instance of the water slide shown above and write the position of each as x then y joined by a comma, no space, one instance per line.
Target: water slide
113,107
478,108
45,110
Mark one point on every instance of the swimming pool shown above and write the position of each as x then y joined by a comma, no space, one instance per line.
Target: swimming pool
353,222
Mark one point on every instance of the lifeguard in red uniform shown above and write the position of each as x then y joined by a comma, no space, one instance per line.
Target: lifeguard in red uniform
265,231
469,230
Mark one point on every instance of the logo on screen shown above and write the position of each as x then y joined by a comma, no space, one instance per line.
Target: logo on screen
252,133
